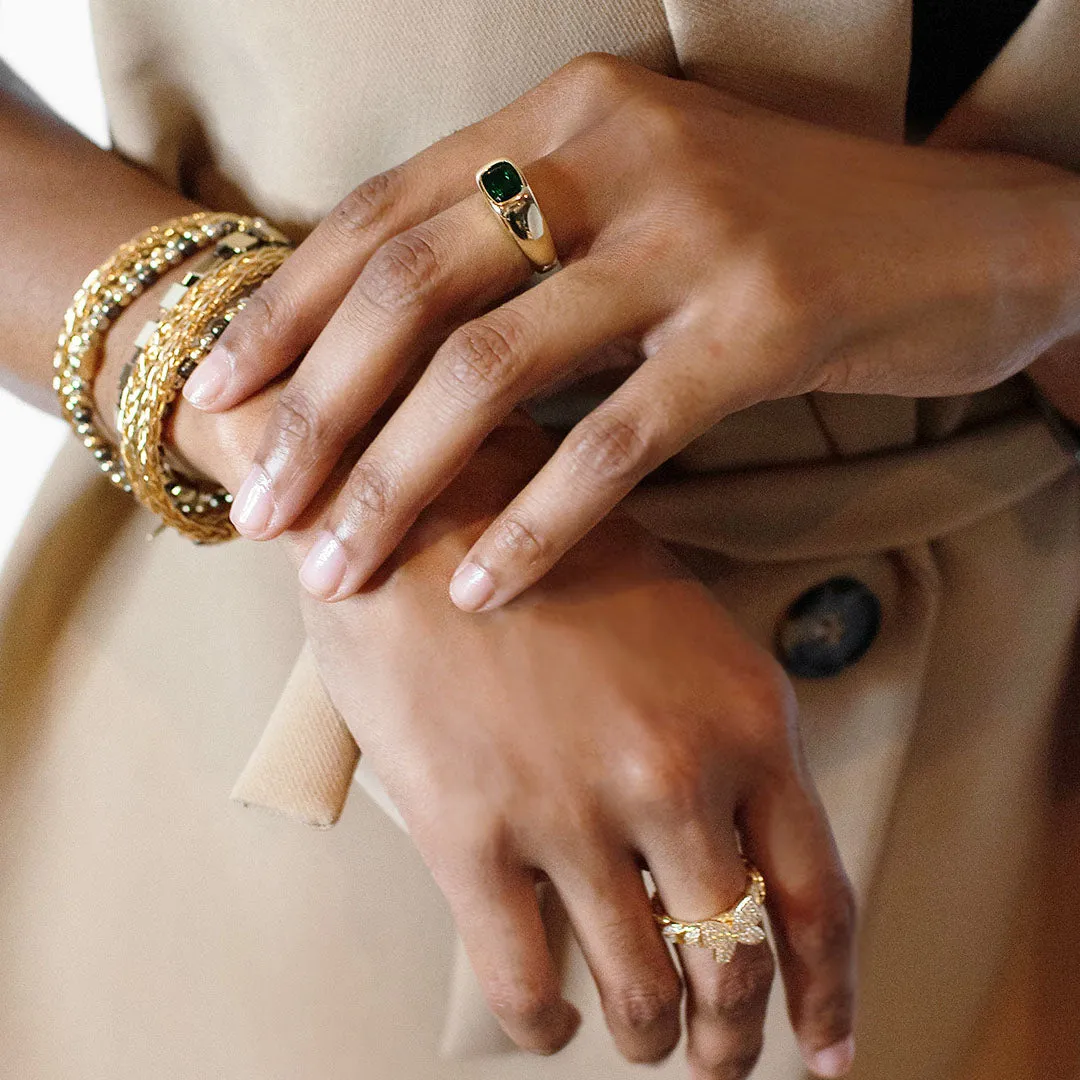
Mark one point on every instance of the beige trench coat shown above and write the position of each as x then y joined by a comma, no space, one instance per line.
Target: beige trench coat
149,926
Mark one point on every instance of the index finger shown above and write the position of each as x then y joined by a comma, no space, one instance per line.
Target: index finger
654,414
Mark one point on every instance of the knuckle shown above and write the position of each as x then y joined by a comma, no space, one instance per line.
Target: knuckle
609,448
265,316
483,839
660,121
366,204
371,489
732,1062
643,1006
651,125
781,295
297,417
770,691
739,991
463,850
765,701
825,920
516,540
481,359
786,311
401,270
599,72
665,786
523,1004
564,818
830,1019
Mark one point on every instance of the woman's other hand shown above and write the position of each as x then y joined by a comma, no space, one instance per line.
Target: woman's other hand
614,718
747,255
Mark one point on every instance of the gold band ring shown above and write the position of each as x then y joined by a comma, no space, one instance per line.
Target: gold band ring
739,925
510,197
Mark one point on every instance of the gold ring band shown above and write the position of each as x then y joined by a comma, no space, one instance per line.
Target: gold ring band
739,925
510,197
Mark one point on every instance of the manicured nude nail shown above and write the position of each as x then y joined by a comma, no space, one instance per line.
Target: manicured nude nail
835,1060
471,587
323,569
208,380
253,504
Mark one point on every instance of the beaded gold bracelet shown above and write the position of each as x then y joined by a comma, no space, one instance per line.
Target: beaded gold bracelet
162,365
103,295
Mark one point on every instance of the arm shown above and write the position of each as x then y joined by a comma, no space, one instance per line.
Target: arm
65,205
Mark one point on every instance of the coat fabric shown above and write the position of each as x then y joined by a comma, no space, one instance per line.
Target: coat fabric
149,925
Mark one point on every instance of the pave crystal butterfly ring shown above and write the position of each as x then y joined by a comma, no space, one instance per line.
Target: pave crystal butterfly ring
740,925
513,202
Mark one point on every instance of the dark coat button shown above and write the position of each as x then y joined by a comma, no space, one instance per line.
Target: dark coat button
828,628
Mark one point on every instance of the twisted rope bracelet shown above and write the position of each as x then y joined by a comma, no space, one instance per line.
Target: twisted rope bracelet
158,372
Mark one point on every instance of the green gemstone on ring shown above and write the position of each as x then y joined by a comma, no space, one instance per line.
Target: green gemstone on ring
501,181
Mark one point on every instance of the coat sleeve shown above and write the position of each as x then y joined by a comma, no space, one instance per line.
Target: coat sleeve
302,766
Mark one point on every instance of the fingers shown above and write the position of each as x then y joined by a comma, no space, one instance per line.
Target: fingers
812,913
640,990
699,873
289,310
395,310
283,317
473,381
411,291
498,917
667,402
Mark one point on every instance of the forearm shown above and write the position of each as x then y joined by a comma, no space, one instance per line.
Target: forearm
65,205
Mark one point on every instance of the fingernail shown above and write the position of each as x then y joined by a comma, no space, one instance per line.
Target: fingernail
471,587
253,504
324,566
207,381
835,1060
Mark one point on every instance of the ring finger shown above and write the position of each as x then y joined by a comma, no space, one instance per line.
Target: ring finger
699,874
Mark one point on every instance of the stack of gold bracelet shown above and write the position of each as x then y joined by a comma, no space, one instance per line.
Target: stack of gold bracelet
194,312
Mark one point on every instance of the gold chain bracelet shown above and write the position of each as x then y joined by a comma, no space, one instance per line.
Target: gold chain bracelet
161,367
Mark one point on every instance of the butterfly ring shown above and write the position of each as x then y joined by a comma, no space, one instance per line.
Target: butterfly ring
739,925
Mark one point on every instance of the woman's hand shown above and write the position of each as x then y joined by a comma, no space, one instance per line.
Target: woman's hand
749,256
613,718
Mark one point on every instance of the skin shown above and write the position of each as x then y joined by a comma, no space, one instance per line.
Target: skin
667,735
733,254
504,773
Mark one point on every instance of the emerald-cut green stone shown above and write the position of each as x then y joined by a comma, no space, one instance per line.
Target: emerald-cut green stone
501,181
